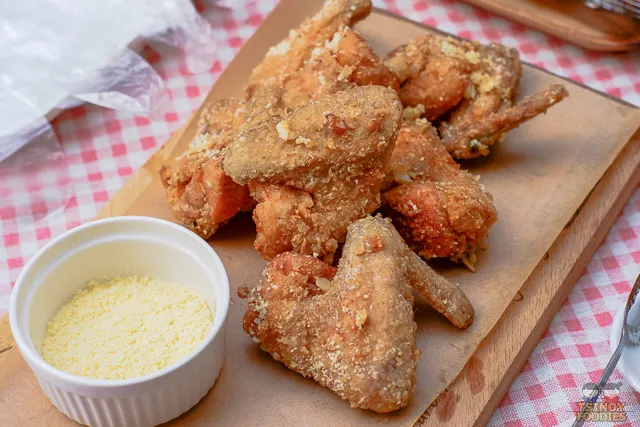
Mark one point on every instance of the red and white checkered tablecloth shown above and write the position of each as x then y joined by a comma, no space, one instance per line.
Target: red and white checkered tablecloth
102,149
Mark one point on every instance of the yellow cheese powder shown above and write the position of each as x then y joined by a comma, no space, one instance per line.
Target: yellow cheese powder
125,328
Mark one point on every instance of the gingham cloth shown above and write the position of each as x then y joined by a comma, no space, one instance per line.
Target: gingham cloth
104,148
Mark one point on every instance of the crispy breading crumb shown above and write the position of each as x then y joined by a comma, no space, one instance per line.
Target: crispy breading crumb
302,140
243,292
484,82
361,317
332,44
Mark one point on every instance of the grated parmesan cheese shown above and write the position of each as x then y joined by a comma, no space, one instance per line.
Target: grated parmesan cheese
332,44
283,130
125,328
483,81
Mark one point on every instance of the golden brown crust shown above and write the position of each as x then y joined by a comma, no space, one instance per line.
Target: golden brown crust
434,71
494,82
201,196
317,169
340,63
351,330
323,56
471,135
285,59
353,52
473,84
439,209
441,73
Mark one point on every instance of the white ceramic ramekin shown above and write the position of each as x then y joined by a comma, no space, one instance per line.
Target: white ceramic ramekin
104,249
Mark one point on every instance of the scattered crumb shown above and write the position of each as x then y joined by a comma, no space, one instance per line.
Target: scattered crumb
243,292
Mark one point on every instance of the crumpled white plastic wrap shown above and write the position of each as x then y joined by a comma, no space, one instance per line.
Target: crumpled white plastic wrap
56,54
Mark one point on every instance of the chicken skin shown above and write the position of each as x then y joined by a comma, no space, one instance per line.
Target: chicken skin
440,209
468,88
434,71
317,169
351,329
471,133
201,196
323,56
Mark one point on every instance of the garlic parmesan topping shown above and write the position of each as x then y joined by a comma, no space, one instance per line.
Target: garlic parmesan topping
126,328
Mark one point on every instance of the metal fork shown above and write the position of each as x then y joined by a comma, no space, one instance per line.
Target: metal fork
622,7
630,338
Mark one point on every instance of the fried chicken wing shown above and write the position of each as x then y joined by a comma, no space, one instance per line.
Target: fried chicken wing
434,71
323,56
440,209
468,88
340,63
440,73
471,132
201,195
351,329
287,57
317,169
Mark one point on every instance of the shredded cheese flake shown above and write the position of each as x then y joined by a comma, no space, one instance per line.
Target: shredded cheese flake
125,328
332,44
450,49
413,113
283,130
279,49
323,283
484,82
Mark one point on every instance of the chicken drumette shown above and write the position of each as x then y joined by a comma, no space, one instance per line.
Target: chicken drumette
351,329
317,169
201,195
439,209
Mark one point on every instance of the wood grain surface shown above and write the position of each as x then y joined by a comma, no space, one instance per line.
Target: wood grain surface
478,390
6,339
572,21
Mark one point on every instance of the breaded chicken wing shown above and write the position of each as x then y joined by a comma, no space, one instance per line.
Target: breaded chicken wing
287,57
471,131
323,56
493,82
468,88
317,169
342,62
201,195
434,71
351,329
440,209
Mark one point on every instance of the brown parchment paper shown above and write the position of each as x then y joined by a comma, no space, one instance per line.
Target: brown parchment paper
539,177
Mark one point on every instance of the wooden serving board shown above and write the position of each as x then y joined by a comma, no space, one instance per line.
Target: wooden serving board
471,398
571,20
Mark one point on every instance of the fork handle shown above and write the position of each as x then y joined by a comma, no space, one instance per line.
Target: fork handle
581,417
